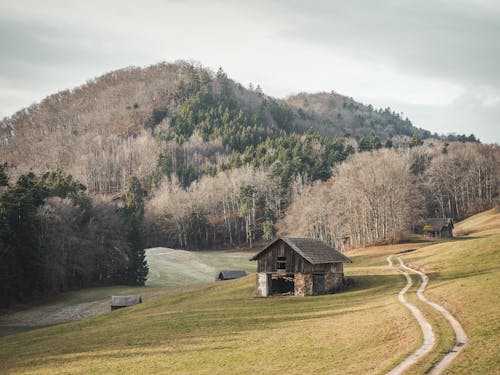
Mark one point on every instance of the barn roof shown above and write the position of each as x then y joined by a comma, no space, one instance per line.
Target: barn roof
435,224
124,301
232,274
313,250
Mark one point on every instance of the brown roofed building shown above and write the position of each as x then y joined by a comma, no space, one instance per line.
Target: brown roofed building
438,227
117,302
230,274
299,266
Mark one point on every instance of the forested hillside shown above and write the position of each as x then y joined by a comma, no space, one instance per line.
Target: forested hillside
54,237
379,197
181,118
336,114
176,155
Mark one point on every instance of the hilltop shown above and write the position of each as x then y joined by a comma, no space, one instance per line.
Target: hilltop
120,121
334,114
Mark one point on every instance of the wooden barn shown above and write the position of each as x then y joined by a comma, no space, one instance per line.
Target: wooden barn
231,274
299,266
117,302
438,227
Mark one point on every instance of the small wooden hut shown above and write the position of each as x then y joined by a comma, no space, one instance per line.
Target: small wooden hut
230,274
117,302
438,227
299,266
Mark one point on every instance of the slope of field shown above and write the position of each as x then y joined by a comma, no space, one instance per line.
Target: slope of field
224,328
465,278
170,272
76,305
181,267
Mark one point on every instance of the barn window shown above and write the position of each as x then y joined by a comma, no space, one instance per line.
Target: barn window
281,261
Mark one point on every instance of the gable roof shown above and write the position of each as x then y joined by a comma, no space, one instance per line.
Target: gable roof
313,250
435,224
125,300
232,274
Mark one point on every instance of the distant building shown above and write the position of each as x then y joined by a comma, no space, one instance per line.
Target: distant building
117,302
231,274
438,227
299,266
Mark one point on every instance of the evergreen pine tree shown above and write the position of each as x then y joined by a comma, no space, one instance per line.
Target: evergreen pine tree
369,143
4,179
415,140
134,212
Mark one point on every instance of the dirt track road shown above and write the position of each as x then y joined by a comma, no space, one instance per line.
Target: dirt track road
429,337
426,328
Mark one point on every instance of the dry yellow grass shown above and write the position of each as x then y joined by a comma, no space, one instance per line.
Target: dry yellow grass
465,279
226,329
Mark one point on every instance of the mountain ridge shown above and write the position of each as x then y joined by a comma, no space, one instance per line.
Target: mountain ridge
121,120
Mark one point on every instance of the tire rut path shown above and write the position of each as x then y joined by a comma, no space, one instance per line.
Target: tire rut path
429,337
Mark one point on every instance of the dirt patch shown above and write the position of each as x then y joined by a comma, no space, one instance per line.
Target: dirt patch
54,314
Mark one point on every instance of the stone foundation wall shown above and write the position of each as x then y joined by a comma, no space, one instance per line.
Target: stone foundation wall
303,285
333,281
263,284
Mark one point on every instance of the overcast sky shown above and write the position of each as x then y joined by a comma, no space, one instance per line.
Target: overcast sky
436,61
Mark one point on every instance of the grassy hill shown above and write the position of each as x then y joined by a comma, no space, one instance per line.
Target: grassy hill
224,328
465,279
170,272
181,267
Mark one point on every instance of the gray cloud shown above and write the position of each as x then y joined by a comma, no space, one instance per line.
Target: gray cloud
465,115
447,40
399,53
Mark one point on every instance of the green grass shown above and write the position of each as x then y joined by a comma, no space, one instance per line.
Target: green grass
171,272
443,332
224,328
465,278
181,267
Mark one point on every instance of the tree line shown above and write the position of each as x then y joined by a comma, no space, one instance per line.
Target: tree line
55,237
380,196
233,208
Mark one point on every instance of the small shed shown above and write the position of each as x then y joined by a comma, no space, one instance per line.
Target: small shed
438,227
230,274
299,266
117,302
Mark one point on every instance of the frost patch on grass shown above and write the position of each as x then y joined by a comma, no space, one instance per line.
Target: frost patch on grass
181,267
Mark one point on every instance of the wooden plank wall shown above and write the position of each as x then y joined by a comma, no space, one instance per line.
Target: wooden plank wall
294,262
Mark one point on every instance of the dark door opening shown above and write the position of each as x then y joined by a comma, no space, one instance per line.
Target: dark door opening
318,283
282,284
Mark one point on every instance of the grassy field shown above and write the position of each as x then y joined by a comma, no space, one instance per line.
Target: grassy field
465,278
181,267
225,329
171,272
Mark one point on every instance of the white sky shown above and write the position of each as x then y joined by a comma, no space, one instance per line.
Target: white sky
434,60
